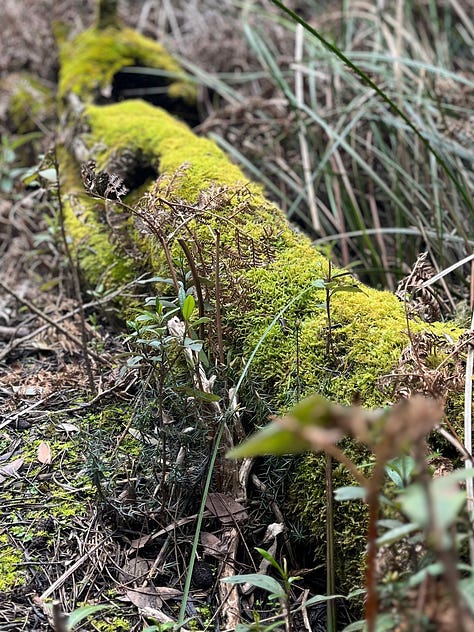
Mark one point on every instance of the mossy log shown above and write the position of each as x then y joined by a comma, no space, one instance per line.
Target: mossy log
191,203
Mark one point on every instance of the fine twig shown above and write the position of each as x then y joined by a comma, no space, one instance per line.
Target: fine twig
217,283
32,307
17,342
75,279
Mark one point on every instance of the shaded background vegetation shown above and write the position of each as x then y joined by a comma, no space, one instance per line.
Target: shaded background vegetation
334,156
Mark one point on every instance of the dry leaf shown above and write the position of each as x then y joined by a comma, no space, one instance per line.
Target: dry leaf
212,545
44,453
28,391
168,593
145,597
135,569
10,469
225,508
67,427
139,543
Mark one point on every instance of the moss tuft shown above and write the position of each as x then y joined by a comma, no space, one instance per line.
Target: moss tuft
90,61
11,575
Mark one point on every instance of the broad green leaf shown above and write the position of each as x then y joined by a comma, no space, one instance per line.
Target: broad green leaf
396,534
188,307
192,345
260,581
316,411
277,440
82,613
50,174
400,470
353,492
432,569
446,501
320,598
384,623
271,440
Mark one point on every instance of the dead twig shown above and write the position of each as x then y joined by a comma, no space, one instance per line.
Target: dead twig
51,322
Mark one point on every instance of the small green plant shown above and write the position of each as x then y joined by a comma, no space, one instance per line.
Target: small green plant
432,506
278,590
10,166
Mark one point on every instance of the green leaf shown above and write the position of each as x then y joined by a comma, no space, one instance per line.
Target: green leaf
396,534
192,345
181,296
354,289
269,557
50,175
321,598
434,570
188,307
356,593
82,613
271,440
446,501
384,623
400,470
260,581
276,440
353,492
194,392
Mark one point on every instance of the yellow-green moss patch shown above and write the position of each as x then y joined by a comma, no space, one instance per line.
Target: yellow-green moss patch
11,575
90,61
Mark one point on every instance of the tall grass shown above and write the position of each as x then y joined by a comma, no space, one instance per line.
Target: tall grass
336,156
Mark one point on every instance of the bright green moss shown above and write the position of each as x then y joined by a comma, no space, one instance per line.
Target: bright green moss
307,505
90,61
10,559
368,327
114,624
165,142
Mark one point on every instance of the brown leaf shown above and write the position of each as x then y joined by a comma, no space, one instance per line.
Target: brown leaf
168,593
145,597
44,453
135,569
139,543
212,545
225,508
10,469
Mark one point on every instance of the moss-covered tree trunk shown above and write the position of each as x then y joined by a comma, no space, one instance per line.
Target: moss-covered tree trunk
191,204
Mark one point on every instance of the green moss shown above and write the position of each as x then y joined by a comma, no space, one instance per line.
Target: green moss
115,624
101,258
11,575
307,503
90,61
165,142
272,267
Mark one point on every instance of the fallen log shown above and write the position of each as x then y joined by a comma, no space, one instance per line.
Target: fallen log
268,294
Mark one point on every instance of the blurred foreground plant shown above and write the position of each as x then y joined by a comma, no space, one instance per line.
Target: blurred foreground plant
432,505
